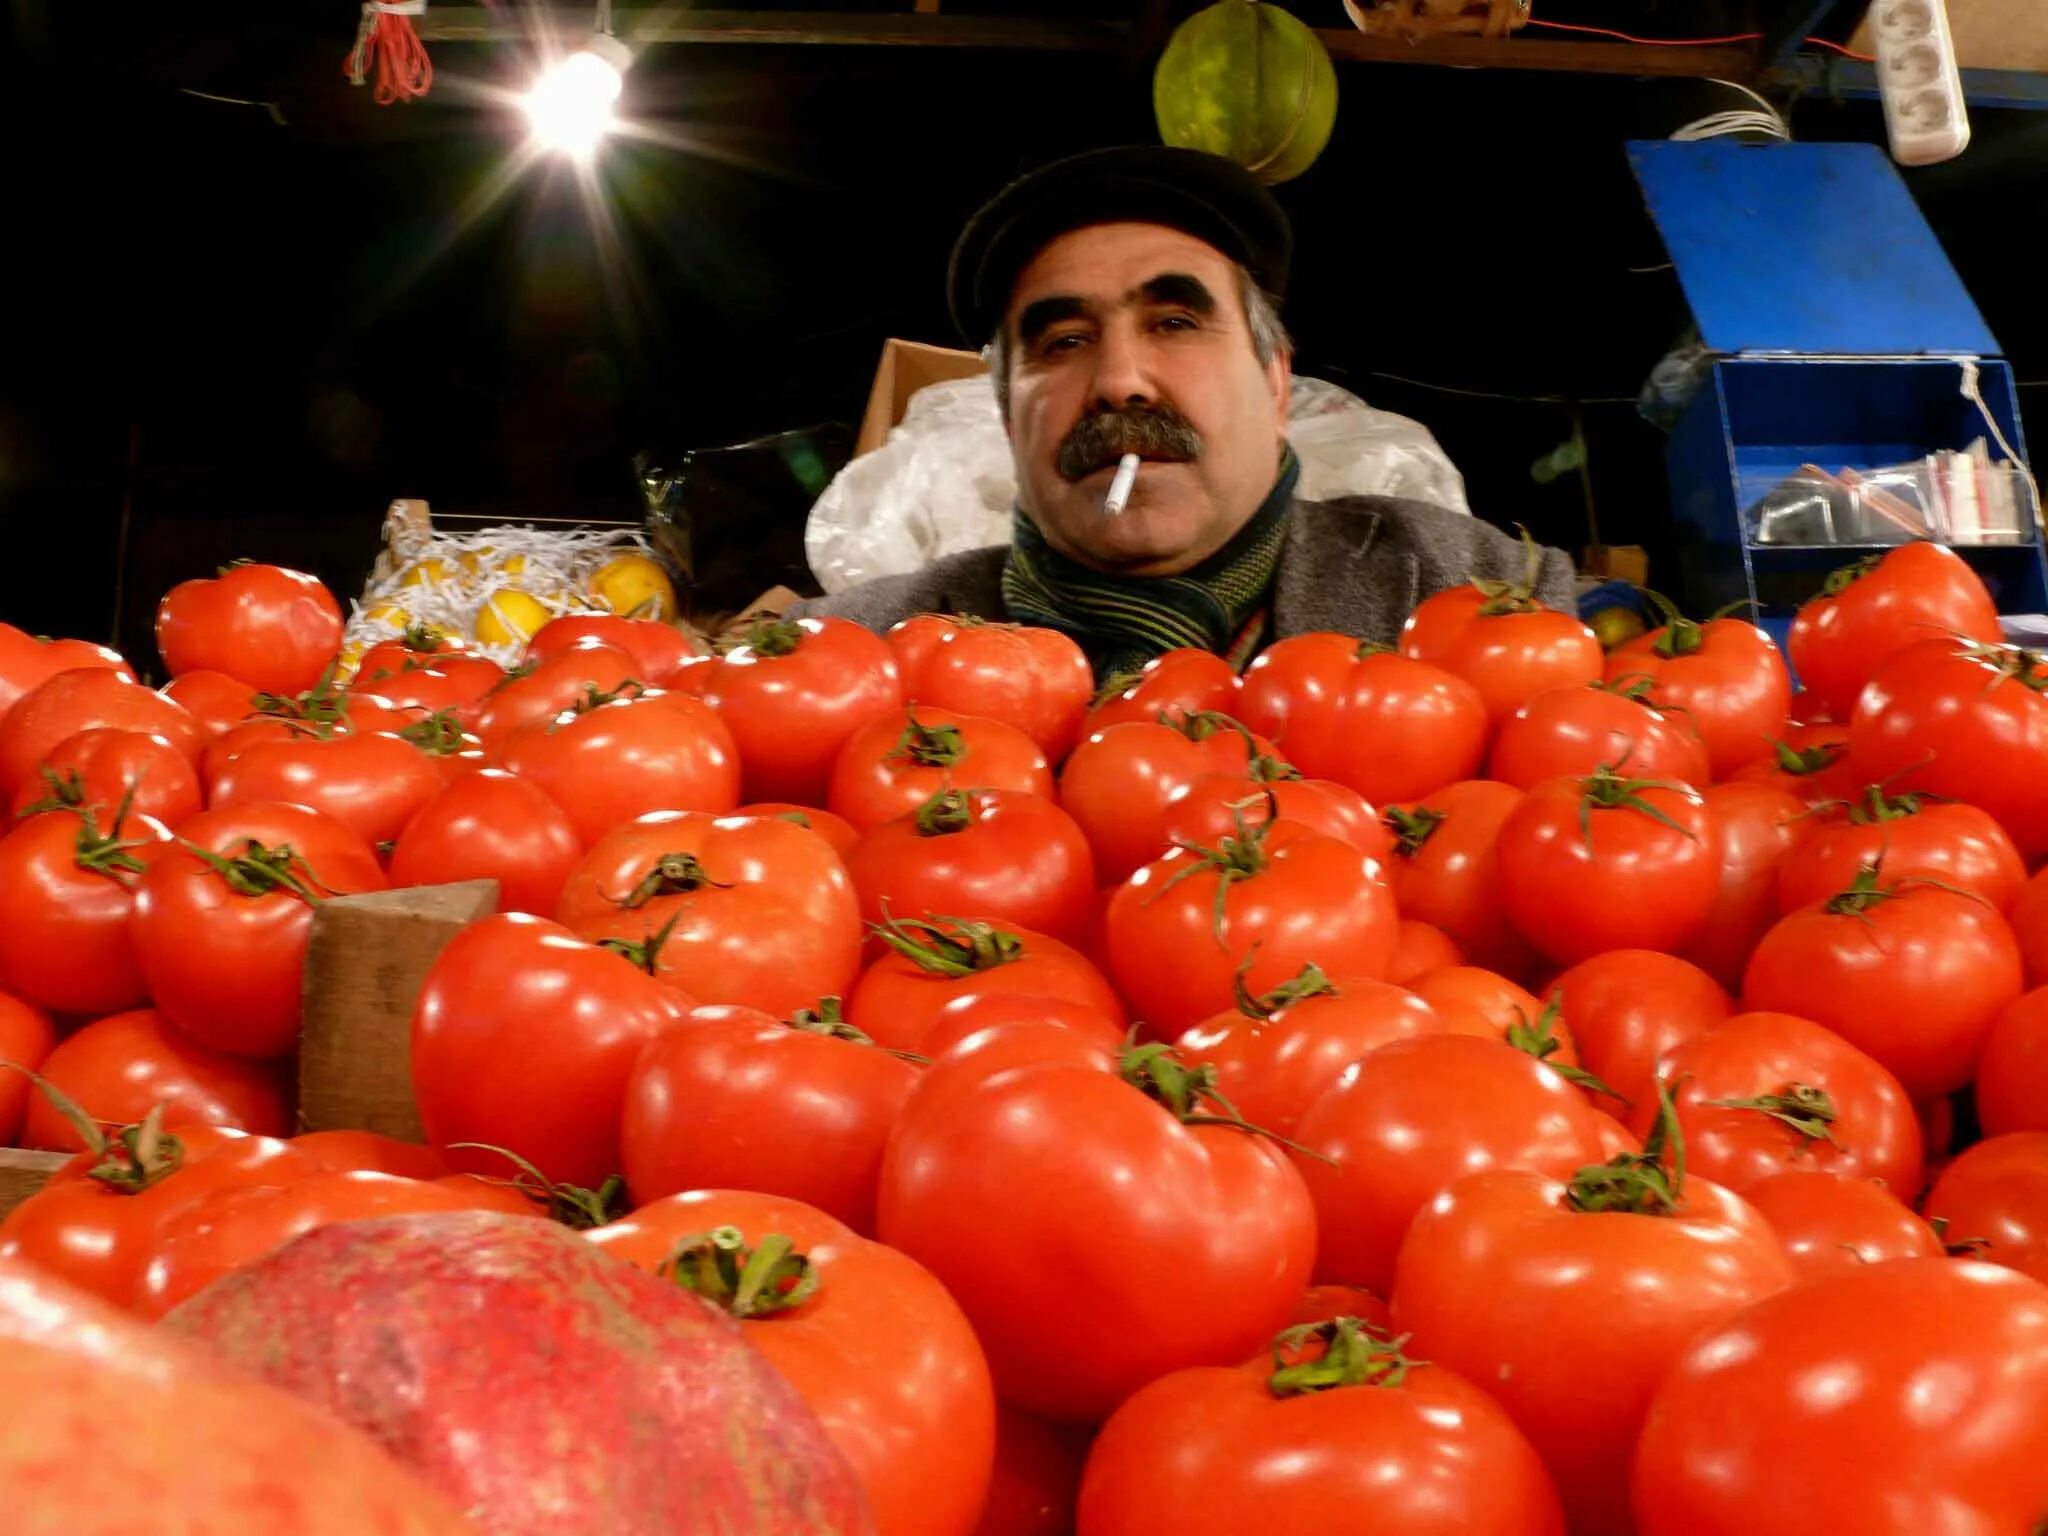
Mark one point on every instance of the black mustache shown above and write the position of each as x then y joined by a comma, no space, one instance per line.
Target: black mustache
1155,431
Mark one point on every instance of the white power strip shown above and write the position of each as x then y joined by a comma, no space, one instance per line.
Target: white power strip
1924,111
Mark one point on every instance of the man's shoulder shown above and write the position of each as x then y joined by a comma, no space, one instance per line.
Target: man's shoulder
969,583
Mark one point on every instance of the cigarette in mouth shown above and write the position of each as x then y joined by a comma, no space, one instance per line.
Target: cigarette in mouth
1120,487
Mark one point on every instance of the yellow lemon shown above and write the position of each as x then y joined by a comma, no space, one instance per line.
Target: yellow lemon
635,586
390,614
474,561
347,662
513,565
510,617
431,571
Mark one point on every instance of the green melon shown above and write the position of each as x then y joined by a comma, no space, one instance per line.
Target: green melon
1250,82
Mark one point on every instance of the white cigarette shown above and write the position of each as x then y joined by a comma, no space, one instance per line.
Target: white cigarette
1120,487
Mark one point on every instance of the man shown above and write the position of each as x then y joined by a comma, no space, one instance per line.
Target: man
1129,299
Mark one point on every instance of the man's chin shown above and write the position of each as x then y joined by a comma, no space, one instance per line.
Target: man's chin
1142,540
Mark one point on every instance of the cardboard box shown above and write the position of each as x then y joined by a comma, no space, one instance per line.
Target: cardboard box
366,960
907,366
22,1173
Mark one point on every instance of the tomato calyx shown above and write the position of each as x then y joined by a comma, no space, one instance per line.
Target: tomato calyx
423,639
594,697
644,954
2026,667
742,1281
1239,855
321,710
1875,807
1799,762
1866,890
947,812
949,946
63,791
1190,1094
928,746
1506,597
829,1023
1604,789
569,1205
1201,724
1411,829
1265,768
673,874
1843,577
1808,1112
773,637
439,735
258,871
133,1158
1646,1183
1538,1037
1308,982
1958,1247
107,853
1353,1354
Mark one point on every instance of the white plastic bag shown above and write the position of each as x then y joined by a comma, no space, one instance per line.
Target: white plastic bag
944,481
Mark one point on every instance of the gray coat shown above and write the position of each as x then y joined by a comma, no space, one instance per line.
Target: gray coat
1357,565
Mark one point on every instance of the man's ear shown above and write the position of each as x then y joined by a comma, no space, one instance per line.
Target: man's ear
1280,379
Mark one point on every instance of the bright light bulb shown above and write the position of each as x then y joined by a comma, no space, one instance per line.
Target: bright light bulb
574,103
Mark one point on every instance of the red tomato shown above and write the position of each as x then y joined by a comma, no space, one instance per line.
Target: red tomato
1327,1303
27,660
1908,972
1035,679
1870,611
1763,1092
1445,871
1273,1061
524,1038
1037,1477
1189,1239
1957,844
933,964
370,782
119,1068
894,763
1504,643
1175,683
1408,1118
67,894
96,1222
621,759
232,1227
1725,676
1964,722
1569,1300
277,629
732,910
1277,1445
1889,1400
26,1035
1118,784
734,1097
456,683
1420,948
216,702
1187,928
79,700
793,694
868,1338
105,768
1757,825
1605,862
1391,727
2012,1069
836,830
370,1152
221,920
1629,1006
321,714
971,1013
1829,1222
659,651
491,825
1809,762
1575,729
1217,805
994,854
1994,1198
2029,919
561,682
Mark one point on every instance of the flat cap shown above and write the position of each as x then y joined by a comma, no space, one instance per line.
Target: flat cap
1204,195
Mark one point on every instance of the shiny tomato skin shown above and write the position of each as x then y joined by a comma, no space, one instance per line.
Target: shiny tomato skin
120,1067
1817,1411
1756,826
1830,1222
1994,1197
369,781
1580,878
660,651
605,766
277,629
1179,682
1473,1001
970,1014
1726,676
1574,729
80,700
880,1353
1235,1457
1916,592
2029,918
1874,1133
835,830
216,702
491,825
1627,1007
1180,934
735,1097
896,762
1119,782
793,695
898,1000
1446,872
1509,657
1570,1319
104,767
1036,1480
1915,981
455,683
66,919
2011,1083
26,660
1190,1242
1956,844
1814,768
26,1036
1002,856
524,1038
346,1151
559,683
1420,948
1214,807
1413,1115
1032,678
226,967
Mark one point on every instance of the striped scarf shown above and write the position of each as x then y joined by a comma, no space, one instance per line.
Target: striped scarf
1219,605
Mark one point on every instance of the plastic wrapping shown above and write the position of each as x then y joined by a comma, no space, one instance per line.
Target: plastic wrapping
944,482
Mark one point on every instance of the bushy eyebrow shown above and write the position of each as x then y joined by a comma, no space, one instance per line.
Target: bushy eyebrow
1176,290
1041,315
1179,290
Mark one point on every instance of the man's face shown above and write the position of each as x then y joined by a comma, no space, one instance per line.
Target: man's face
1133,337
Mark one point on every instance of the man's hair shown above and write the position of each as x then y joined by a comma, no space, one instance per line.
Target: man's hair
1262,318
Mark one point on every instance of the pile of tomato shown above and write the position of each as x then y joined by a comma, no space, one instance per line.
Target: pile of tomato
1494,1085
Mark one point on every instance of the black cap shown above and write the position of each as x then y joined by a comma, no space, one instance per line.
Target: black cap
1204,195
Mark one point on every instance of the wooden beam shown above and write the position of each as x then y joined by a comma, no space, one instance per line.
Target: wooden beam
1592,57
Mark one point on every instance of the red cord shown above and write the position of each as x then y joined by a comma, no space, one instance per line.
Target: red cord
394,50
1688,42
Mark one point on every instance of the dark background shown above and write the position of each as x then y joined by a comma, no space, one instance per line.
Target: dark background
248,337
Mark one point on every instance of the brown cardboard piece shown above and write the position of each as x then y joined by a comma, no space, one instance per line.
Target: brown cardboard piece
22,1173
366,960
907,367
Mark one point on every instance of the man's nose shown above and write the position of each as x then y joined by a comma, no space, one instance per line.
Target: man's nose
1122,376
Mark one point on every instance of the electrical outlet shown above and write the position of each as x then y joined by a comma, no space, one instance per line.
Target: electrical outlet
1924,112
